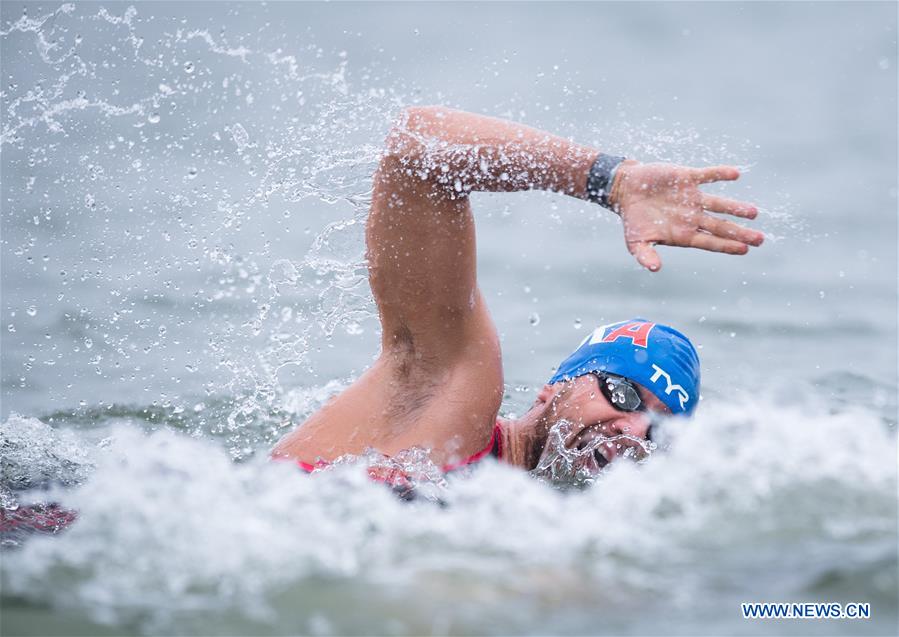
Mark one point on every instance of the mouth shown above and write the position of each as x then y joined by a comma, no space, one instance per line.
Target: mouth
578,464
602,453
600,457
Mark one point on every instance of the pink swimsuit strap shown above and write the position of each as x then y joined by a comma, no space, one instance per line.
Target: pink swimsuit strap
494,447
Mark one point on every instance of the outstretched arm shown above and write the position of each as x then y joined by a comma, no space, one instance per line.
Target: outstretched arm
659,203
421,234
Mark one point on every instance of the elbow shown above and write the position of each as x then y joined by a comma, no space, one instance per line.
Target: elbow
415,147
408,138
419,116
422,120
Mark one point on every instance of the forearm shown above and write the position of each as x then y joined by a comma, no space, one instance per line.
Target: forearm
436,153
464,152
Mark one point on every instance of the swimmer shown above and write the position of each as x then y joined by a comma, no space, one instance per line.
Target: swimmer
438,381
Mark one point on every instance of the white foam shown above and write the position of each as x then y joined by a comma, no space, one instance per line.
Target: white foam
168,524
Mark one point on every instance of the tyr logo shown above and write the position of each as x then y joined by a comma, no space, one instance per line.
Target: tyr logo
682,394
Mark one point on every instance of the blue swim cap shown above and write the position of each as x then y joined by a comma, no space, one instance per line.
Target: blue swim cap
658,357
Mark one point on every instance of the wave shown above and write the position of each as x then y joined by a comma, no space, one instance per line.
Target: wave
750,501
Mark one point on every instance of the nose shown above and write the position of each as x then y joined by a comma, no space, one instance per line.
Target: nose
634,424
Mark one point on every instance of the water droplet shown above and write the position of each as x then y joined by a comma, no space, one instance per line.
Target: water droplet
354,329
190,368
821,294
162,330
153,117
240,136
192,172
534,319
11,327
88,342
136,164
578,324
31,311
188,67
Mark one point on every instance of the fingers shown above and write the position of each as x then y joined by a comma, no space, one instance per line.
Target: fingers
729,230
714,203
717,244
646,255
715,173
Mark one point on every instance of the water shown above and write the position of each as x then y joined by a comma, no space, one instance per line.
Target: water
183,198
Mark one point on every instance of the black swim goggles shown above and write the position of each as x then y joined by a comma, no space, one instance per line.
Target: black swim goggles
620,392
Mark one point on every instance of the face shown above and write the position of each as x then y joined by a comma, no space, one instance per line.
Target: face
598,429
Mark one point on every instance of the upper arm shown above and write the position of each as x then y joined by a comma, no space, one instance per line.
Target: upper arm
421,250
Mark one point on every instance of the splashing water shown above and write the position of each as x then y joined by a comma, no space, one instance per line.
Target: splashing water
35,455
321,147
566,465
170,530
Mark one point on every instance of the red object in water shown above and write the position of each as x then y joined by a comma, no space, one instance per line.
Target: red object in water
36,518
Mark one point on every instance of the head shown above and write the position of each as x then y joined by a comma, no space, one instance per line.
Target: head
611,387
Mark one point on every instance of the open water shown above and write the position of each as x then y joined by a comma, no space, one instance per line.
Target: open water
184,188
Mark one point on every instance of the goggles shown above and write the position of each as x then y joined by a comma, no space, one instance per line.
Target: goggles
622,395
620,392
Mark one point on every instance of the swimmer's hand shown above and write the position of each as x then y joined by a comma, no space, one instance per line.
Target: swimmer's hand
662,204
